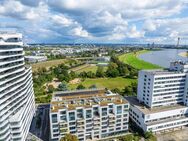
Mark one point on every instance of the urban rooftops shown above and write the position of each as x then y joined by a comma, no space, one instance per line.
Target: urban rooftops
146,110
84,98
162,72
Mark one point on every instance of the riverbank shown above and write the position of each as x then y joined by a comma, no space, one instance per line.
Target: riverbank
133,60
183,54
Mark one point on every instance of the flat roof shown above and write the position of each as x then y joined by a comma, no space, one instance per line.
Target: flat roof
162,72
146,110
35,57
84,98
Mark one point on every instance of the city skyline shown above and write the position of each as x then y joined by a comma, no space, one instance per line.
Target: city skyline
87,21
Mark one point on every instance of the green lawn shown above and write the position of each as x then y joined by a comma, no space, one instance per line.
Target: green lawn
87,68
133,60
109,83
48,64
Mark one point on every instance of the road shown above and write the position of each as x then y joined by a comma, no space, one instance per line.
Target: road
44,131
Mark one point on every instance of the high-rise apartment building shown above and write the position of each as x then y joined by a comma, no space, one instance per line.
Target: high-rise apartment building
161,102
88,114
17,105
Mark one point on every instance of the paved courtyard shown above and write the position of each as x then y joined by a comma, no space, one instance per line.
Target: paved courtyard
180,135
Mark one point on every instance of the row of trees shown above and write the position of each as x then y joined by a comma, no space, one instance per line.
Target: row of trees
130,90
115,68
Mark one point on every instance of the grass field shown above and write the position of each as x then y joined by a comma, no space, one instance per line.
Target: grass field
48,64
110,83
86,68
133,60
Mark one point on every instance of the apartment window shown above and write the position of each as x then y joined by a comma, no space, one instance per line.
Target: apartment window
104,131
88,114
63,112
80,113
119,120
118,128
54,118
63,118
88,121
104,111
110,106
72,123
143,116
119,109
119,116
72,132
55,126
71,116
125,106
55,130
72,128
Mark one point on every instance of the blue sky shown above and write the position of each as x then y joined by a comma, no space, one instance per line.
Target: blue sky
97,21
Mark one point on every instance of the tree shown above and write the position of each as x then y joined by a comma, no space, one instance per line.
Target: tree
128,90
130,137
112,70
69,137
63,86
90,74
83,74
149,136
116,90
93,87
100,72
72,74
80,87
51,89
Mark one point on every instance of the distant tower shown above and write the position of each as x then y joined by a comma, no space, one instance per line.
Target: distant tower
153,45
178,42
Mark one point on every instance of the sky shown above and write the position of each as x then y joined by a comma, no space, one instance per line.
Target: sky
97,21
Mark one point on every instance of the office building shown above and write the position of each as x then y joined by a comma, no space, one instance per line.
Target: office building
89,114
17,105
161,103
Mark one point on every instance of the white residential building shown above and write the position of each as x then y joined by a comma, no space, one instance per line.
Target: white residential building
161,102
17,105
89,114
35,59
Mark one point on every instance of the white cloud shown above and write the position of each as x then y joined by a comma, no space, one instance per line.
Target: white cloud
16,9
133,33
149,25
61,20
80,32
98,20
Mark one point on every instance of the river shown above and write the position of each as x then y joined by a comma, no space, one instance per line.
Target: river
163,57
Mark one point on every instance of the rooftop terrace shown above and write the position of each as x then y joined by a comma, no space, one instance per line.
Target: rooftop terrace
84,98
134,102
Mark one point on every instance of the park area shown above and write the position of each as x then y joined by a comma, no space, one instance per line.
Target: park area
70,74
110,83
52,63
133,60
86,68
